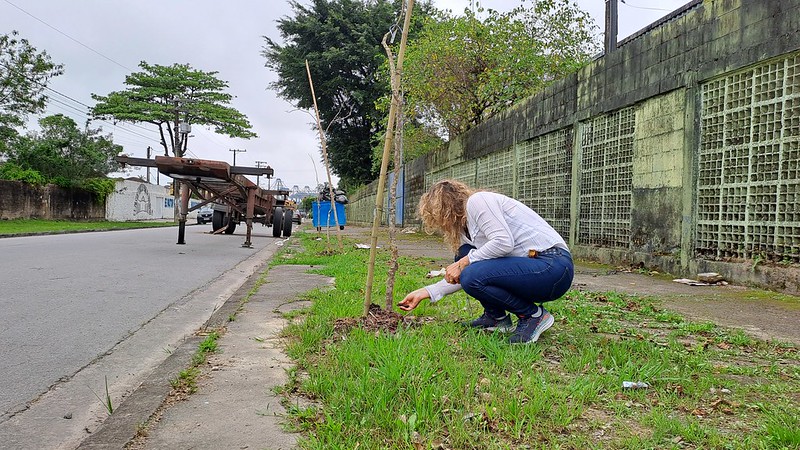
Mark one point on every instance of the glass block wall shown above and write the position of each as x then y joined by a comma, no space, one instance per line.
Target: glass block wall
606,176
495,172
748,196
463,172
545,177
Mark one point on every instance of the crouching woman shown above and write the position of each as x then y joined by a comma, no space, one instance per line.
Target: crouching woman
507,257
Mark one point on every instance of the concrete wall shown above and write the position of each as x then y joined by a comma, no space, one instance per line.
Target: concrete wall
679,149
130,201
20,200
133,200
136,200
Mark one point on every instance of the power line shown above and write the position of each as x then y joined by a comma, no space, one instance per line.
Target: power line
70,37
640,7
84,113
89,107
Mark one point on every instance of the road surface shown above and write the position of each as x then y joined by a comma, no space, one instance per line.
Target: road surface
81,308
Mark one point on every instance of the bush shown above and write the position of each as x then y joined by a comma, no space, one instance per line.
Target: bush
13,172
100,187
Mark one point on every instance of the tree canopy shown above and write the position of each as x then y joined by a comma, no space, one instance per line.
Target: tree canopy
24,74
158,93
462,70
341,40
61,153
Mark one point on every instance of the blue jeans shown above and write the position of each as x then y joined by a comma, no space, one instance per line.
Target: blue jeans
517,284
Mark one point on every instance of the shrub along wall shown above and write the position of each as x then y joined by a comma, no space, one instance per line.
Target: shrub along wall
20,200
681,149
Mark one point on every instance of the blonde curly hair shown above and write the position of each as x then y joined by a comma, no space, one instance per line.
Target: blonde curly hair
444,208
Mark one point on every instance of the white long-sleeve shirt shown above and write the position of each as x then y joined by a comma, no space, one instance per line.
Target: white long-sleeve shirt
499,226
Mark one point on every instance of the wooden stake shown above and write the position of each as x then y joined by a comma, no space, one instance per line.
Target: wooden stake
325,159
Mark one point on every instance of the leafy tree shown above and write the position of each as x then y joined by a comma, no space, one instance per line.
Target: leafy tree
160,94
341,40
62,154
24,74
419,137
462,70
306,203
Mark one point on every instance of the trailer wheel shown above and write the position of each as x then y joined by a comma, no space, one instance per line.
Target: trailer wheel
277,222
218,220
287,222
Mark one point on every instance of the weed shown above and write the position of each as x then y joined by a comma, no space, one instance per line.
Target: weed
208,345
186,381
107,400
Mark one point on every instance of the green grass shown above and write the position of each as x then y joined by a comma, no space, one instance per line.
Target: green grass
438,385
186,380
35,226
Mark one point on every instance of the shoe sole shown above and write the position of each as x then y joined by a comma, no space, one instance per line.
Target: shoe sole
503,329
546,323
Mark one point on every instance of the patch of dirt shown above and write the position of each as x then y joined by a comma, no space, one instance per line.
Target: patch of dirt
378,320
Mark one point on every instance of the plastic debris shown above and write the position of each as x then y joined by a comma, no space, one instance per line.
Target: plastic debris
435,273
710,277
634,385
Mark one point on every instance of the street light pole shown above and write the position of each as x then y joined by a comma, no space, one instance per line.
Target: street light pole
235,151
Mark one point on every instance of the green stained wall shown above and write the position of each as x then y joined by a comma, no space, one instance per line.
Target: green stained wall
681,149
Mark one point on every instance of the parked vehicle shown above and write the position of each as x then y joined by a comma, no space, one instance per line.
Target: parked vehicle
299,215
205,215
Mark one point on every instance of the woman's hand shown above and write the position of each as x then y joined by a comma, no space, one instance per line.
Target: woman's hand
413,298
452,274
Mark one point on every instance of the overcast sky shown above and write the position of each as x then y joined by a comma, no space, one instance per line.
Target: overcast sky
99,42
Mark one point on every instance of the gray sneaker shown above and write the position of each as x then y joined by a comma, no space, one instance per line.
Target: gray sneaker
488,323
530,328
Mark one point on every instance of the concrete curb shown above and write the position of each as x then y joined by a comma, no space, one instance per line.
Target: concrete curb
123,425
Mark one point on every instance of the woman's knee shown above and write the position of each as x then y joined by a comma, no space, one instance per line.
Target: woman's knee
469,280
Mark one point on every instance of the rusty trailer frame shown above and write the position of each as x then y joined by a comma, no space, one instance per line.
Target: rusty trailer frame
224,186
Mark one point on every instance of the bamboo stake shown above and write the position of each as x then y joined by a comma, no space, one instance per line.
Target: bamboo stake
385,161
325,159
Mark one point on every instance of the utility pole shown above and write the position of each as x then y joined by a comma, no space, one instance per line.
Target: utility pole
235,151
149,149
259,164
176,149
612,25
180,190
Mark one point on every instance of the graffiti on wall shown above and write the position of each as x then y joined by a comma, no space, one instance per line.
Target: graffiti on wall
141,202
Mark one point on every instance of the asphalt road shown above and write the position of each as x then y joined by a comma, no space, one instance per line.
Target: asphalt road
70,303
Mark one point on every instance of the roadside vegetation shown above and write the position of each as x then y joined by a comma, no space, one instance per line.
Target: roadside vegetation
38,226
431,383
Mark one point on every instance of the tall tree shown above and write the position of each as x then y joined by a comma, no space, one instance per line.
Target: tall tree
166,95
462,70
24,74
64,154
341,39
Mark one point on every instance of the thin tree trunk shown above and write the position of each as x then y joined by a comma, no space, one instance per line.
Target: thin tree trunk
385,161
398,145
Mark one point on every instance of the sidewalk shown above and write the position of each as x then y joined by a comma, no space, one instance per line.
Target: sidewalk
235,406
